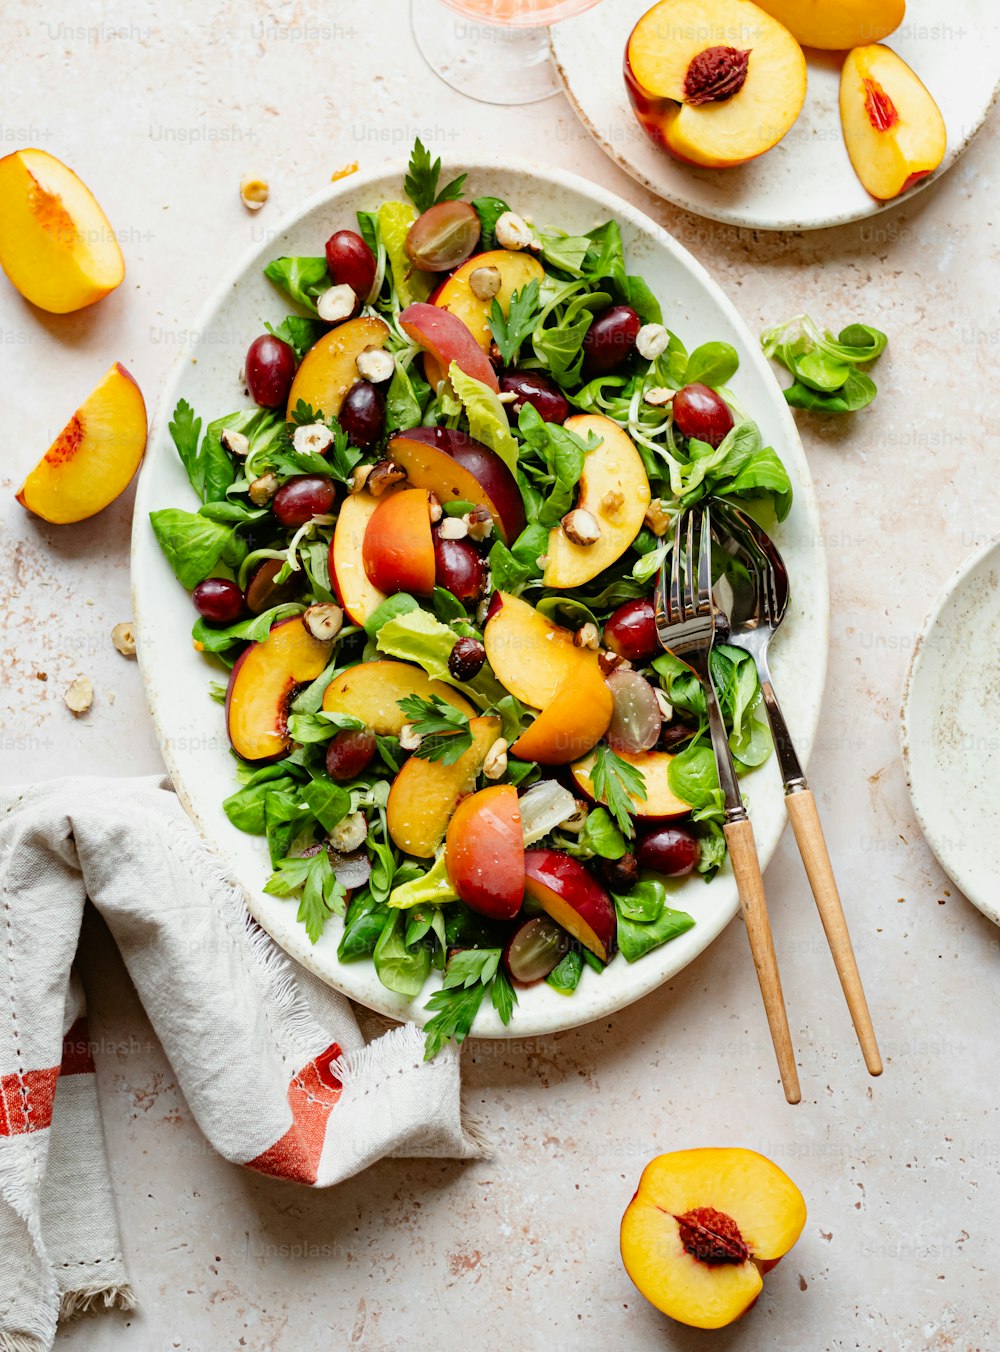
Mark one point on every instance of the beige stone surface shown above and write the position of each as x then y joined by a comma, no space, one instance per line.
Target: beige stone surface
163,108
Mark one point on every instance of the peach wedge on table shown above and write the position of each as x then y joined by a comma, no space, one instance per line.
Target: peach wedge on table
263,683
329,368
56,244
371,692
425,793
457,468
704,100
893,129
614,489
837,27
530,656
484,852
702,1227
660,803
92,460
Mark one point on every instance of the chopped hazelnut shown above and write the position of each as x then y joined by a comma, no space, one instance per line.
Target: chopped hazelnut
235,443
588,636
323,620
495,763
262,490
79,696
375,364
581,527
349,834
479,523
359,477
651,340
658,396
609,662
123,637
657,518
484,283
513,232
254,192
666,708
453,528
383,475
337,303
312,438
435,508
409,738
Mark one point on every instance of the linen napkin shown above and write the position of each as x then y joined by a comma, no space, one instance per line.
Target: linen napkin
271,1061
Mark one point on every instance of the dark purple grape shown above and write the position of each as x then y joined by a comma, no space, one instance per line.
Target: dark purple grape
631,630
302,498
270,370
351,262
443,236
674,735
610,339
534,949
466,659
218,600
459,568
700,412
263,592
350,753
672,851
533,388
620,874
362,414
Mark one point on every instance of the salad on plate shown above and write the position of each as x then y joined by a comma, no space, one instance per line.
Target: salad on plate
425,554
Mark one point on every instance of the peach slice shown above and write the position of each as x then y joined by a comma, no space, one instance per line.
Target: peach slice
263,683
56,244
447,339
371,691
614,489
573,898
94,457
530,656
703,100
347,570
836,27
702,1227
572,724
660,803
456,294
398,548
329,368
425,794
893,129
484,852
456,467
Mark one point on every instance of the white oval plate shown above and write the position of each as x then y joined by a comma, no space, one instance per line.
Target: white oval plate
806,181
951,729
190,725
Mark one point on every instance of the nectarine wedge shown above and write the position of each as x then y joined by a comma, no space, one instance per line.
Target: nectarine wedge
701,1228
614,489
893,129
56,244
329,368
660,803
572,724
447,339
347,570
484,852
573,898
837,26
398,548
371,691
457,468
262,684
425,794
530,656
703,100
456,294
93,458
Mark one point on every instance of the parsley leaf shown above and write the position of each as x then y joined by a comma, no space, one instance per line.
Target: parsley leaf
616,783
444,729
469,974
422,177
456,1012
186,433
510,330
470,965
322,895
503,995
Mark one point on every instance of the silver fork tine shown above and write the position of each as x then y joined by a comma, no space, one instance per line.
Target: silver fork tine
691,591
675,601
705,564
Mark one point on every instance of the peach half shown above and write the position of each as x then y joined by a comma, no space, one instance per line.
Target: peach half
837,26
702,1227
893,129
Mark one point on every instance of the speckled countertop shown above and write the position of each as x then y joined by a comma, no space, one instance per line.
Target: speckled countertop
161,112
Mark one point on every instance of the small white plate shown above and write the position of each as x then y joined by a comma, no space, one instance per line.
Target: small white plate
806,181
951,730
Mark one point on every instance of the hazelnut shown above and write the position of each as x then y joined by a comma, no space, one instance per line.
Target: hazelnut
349,834
495,763
651,340
382,476
658,396
479,523
666,708
409,739
337,303
513,232
235,443
375,364
312,438
123,637
262,490
435,508
453,528
359,478
587,636
323,620
484,283
612,502
581,527
657,518
620,874
254,192
609,662
577,819
79,696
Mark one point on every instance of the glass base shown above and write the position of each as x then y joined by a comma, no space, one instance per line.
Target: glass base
492,63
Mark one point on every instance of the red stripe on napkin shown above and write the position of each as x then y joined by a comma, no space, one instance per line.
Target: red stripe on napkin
26,1101
76,1057
312,1095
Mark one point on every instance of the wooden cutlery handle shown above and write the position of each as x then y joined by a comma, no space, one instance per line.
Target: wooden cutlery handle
746,867
812,846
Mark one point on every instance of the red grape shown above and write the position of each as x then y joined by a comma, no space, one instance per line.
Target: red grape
700,412
672,851
351,262
534,949
362,414
270,370
218,600
263,592
635,722
443,236
531,387
300,499
350,753
674,735
459,568
631,631
610,339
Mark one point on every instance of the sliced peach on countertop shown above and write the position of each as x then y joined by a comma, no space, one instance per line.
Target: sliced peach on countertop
660,803
530,656
329,368
456,467
705,101
398,547
516,269
572,724
425,793
448,340
92,460
701,1228
614,489
837,27
573,898
484,852
56,244
263,683
893,129
371,691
